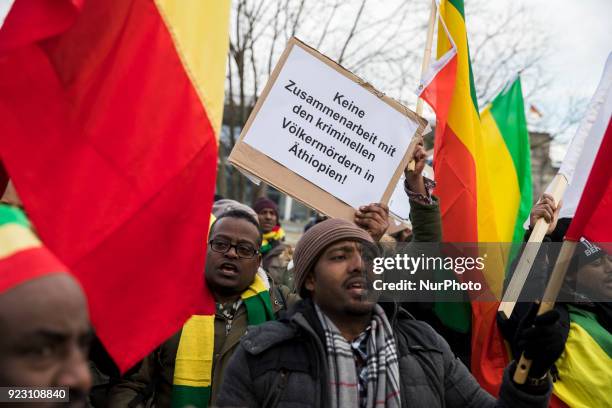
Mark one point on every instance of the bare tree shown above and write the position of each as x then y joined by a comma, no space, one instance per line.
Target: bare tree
505,41
382,41
367,37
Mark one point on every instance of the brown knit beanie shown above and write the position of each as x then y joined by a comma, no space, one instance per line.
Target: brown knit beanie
316,239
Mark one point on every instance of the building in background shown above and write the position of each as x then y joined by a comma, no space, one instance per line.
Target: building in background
542,169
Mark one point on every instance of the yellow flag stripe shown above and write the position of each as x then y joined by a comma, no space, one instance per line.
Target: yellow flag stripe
585,371
464,120
506,195
200,31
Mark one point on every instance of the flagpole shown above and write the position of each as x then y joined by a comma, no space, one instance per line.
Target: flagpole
548,301
559,184
426,58
521,272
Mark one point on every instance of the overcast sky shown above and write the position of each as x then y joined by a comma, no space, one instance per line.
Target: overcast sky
580,41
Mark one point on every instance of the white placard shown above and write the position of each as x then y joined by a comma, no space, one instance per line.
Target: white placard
330,130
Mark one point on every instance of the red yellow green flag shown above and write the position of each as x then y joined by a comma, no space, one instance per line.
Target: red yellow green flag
463,175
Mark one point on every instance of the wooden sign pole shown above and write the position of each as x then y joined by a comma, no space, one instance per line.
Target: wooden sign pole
557,188
425,64
548,302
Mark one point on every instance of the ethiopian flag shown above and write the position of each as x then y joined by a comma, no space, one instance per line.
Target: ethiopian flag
505,138
110,112
482,174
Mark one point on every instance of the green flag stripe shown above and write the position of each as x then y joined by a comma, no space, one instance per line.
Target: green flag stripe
472,85
459,6
588,321
508,110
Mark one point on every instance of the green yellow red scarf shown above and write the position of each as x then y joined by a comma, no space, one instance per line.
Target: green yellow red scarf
269,238
194,358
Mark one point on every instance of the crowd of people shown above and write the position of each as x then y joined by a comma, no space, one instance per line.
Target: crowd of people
293,326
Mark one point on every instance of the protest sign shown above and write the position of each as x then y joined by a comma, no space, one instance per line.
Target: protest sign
324,136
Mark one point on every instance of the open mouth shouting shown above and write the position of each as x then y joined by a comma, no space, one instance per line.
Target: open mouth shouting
356,286
228,269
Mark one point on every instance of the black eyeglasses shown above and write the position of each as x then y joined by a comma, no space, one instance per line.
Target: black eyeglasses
243,250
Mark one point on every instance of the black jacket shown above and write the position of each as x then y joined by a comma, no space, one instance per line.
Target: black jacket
284,363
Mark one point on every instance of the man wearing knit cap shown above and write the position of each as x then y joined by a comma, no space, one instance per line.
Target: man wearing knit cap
339,348
272,245
44,323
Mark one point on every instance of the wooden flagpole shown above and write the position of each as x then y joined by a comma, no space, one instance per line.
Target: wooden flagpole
521,272
426,58
548,302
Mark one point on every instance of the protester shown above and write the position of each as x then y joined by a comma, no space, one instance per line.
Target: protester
273,249
339,348
583,372
225,204
243,297
427,227
44,323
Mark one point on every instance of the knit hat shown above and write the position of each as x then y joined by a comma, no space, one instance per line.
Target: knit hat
262,203
22,256
586,252
316,239
222,206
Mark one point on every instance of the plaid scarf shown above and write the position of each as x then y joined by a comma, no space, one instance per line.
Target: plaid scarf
191,386
268,239
381,374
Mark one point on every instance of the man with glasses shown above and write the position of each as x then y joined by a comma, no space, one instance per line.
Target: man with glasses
188,368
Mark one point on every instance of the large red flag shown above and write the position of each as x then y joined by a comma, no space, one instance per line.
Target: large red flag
109,111
592,219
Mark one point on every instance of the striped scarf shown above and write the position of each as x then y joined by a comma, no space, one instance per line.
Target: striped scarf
268,239
382,374
194,358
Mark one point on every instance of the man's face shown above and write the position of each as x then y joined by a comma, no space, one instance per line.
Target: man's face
267,219
227,274
340,279
45,337
595,279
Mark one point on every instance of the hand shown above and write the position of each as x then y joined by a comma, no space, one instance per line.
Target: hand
545,208
541,339
374,218
414,178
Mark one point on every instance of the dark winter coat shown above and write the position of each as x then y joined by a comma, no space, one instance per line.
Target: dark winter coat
284,364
